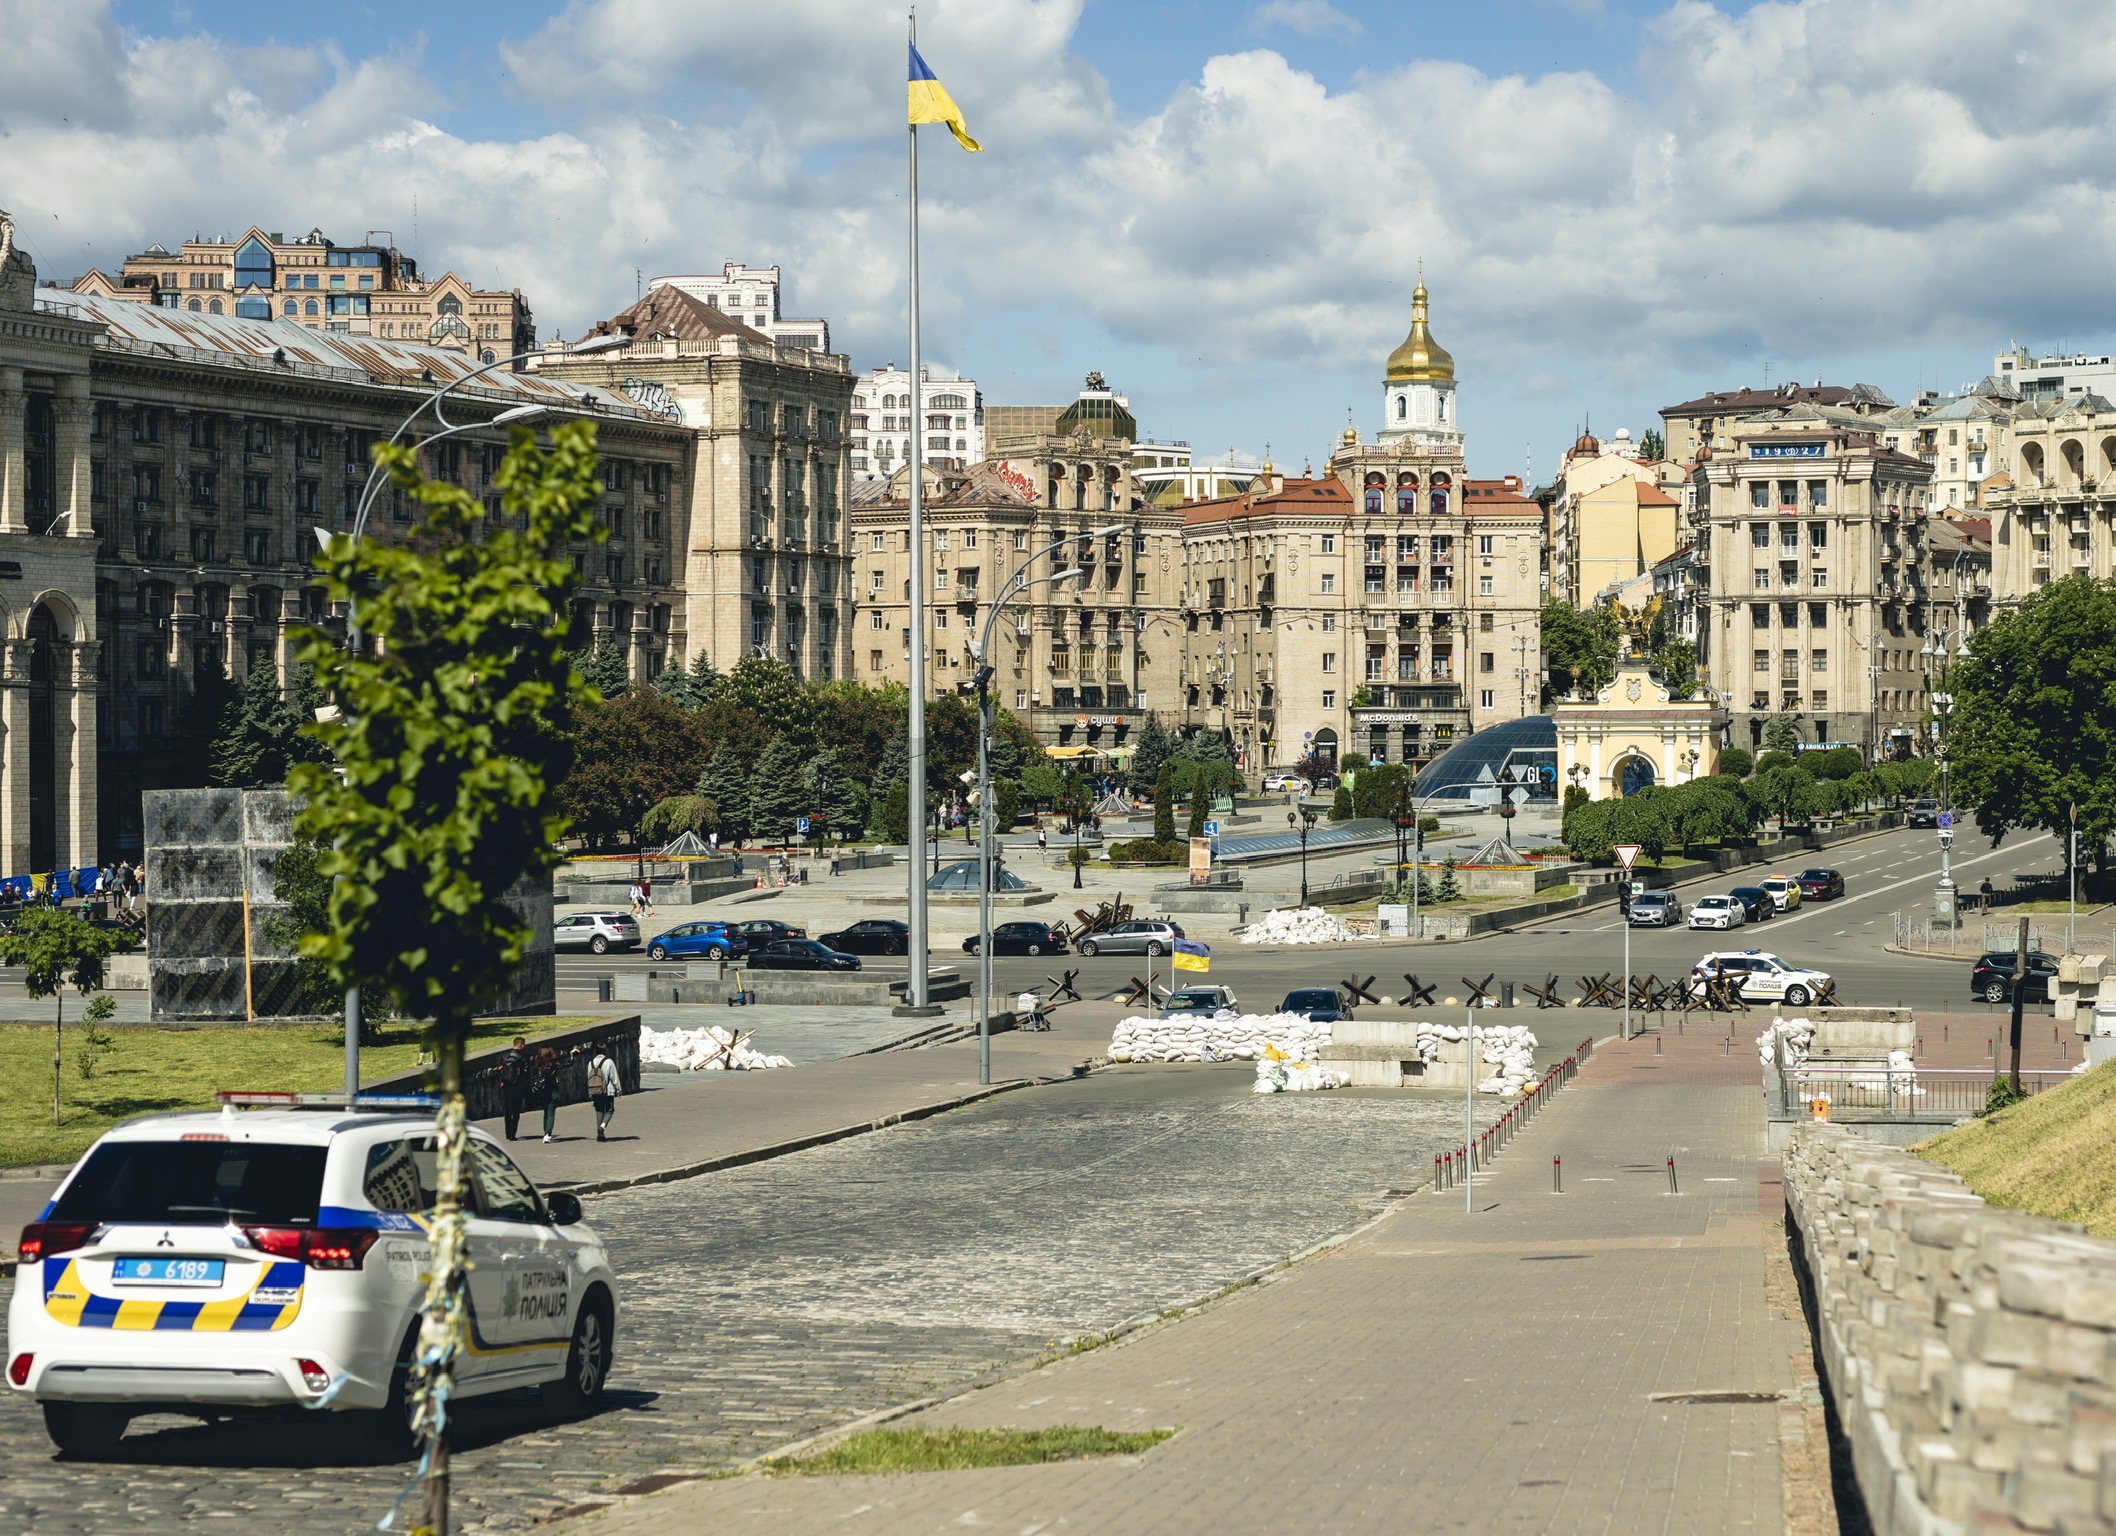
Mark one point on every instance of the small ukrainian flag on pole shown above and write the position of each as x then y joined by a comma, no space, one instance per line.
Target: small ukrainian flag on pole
1190,955
931,103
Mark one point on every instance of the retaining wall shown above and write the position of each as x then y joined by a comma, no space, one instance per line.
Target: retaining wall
482,1096
1970,1351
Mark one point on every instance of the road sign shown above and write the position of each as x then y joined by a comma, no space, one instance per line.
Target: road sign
1212,829
1626,852
1946,818
801,823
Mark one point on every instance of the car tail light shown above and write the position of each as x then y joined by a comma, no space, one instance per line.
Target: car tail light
317,1247
45,1239
313,1376
18,1369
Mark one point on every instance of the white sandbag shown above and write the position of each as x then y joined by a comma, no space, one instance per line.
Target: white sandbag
1297,925
704,1050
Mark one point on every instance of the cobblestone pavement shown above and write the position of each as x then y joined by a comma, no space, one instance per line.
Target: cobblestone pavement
787,1296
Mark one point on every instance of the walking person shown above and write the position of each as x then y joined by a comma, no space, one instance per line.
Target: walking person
1983,895
646,895
1043,839
604,1086
515,1068
543,1088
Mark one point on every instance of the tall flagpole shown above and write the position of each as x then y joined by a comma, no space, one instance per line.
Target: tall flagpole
915,992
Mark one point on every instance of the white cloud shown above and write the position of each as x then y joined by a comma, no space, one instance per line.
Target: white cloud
1310,18
1813,178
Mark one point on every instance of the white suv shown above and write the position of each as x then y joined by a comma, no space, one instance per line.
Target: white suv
597,932
1764,977
199,1262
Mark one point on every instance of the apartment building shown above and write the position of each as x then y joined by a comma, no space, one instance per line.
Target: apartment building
160,474
1692,425
371,289
950,420
1817,543
759,550
750,295
2055,514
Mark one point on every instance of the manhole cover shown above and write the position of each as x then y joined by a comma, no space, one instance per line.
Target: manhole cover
1714,1397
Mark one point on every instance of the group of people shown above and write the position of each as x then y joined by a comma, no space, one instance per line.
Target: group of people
119,884
643,898
535,1079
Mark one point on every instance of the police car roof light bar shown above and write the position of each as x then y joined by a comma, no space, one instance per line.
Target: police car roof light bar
258,1099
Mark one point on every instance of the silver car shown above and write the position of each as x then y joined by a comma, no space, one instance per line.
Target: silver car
596,932
1655,909
1147,936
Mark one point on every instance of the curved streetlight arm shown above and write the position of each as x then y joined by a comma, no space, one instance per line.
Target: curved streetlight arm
1014,585
373,488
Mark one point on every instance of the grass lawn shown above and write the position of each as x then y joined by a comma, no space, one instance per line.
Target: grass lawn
2048,1154
951,1450
150,1069
2042,908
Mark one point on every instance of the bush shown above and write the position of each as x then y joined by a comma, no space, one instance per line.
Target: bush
1147,850
1770,760
1429,823
1736,760
1551,850
1341,804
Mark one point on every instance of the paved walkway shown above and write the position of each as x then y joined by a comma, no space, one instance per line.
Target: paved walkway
1508,1368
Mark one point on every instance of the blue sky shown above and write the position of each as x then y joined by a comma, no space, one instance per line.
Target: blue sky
1620,205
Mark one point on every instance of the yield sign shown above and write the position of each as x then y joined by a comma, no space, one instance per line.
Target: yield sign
1626,852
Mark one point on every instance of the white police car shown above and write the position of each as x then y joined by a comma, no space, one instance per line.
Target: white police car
275,1258
1764,977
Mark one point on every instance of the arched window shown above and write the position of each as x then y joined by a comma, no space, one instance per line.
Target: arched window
289,308
1403,407
1406,495
213,307
1443,405
1372,499
948,403
193,306
1441,485
1635,774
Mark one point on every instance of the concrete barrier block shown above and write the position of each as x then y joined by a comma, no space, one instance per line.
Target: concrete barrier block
2010,1338
2091,1301
2079,1353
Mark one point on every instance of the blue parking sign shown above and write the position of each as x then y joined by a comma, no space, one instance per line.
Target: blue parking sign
1212,829
1946,818
802,823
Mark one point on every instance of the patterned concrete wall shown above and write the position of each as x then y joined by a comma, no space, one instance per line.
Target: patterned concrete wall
205,847
1968,1348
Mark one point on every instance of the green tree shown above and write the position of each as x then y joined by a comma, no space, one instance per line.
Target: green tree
1736,760
705,680
605,668
200,724
56,949
769,691
1150,753
829,796
1786,792
2033,734
688,689
1641,819
1587,833
1582,646
442,797
1677,661
667,820
1770,760
1165,804
1836,763
304,890
1006,805
726,782
1341,802
257,734
776,794
628,754
1652,447
1041,783
1200,807
1780,734
893,819
1449,890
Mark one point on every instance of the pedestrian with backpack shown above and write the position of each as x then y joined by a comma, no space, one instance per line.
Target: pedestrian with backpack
604,1086
514,1084
544,1088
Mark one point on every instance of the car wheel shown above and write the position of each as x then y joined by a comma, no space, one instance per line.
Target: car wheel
1153,947
599,945
387,1431
971,946
1796,997
85,1431
902,948
1035,949
716,952
1090,947
1995,992
658,952
576,1393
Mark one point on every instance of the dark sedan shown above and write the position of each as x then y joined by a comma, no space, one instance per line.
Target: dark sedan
1820,884
802,955
1992,980
767,930
1021,939
1756,903
875,936
1318,1004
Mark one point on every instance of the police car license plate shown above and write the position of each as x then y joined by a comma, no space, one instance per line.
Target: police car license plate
166,1271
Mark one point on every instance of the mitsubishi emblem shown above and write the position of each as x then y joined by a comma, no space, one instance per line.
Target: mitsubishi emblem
165,1241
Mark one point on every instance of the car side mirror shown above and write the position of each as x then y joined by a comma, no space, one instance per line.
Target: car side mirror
564,1208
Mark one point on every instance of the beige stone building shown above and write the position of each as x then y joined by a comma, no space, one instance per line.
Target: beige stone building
1613,517
1634,733
2057,516
160,475
756,541
1817,542
1694,424
365,290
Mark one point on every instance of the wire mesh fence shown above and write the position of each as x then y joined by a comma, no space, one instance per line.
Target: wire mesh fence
2051,932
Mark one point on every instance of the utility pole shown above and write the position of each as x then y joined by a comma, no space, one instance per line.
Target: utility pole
2020,991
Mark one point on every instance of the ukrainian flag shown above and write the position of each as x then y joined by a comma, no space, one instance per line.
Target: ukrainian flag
1190,955
931,103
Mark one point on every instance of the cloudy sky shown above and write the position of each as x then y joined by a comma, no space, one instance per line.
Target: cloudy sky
1619,204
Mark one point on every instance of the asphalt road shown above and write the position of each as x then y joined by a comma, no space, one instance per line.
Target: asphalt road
1886,874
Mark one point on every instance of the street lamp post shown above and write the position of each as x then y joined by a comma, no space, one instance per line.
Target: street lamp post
1013,587
1946,899
1304,819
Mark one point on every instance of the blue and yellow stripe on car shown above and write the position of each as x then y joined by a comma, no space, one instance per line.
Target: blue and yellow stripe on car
69,1300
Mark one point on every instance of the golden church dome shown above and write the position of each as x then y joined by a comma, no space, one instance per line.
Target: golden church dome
1420,358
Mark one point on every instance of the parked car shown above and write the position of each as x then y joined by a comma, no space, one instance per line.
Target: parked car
1717,912
873,936
1923,813
1821,884
1148,936
1992,980
1763,975
711,941
1197,1000
1321,1004
1021,939
802,955
761,931
1756,903
597,932
1286,781
1655,909
1784,891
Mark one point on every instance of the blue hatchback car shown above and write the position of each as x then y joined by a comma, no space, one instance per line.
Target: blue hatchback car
705,941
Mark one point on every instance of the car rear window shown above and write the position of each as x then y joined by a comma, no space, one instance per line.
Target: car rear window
196,1183
1818,874
1312,1000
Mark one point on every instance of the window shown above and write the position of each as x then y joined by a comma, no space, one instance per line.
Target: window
1818,614
1484,623
1818,535
1484,587
202,544
1329,698
1818,660
1329,661
1763,661
1763,578
1486,698
1789,538
875,620
1820,579
1759,494
1329,623
1329,581
1484,543
1760,533
1789,666
256,493
1486,662
1818,493
257,547
1329,543
147,541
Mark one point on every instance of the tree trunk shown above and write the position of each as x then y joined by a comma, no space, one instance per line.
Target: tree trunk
442,1329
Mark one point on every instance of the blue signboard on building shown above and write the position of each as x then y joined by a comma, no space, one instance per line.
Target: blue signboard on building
1785,450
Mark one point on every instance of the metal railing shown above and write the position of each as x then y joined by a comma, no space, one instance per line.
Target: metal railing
1451,1168
1873,1090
